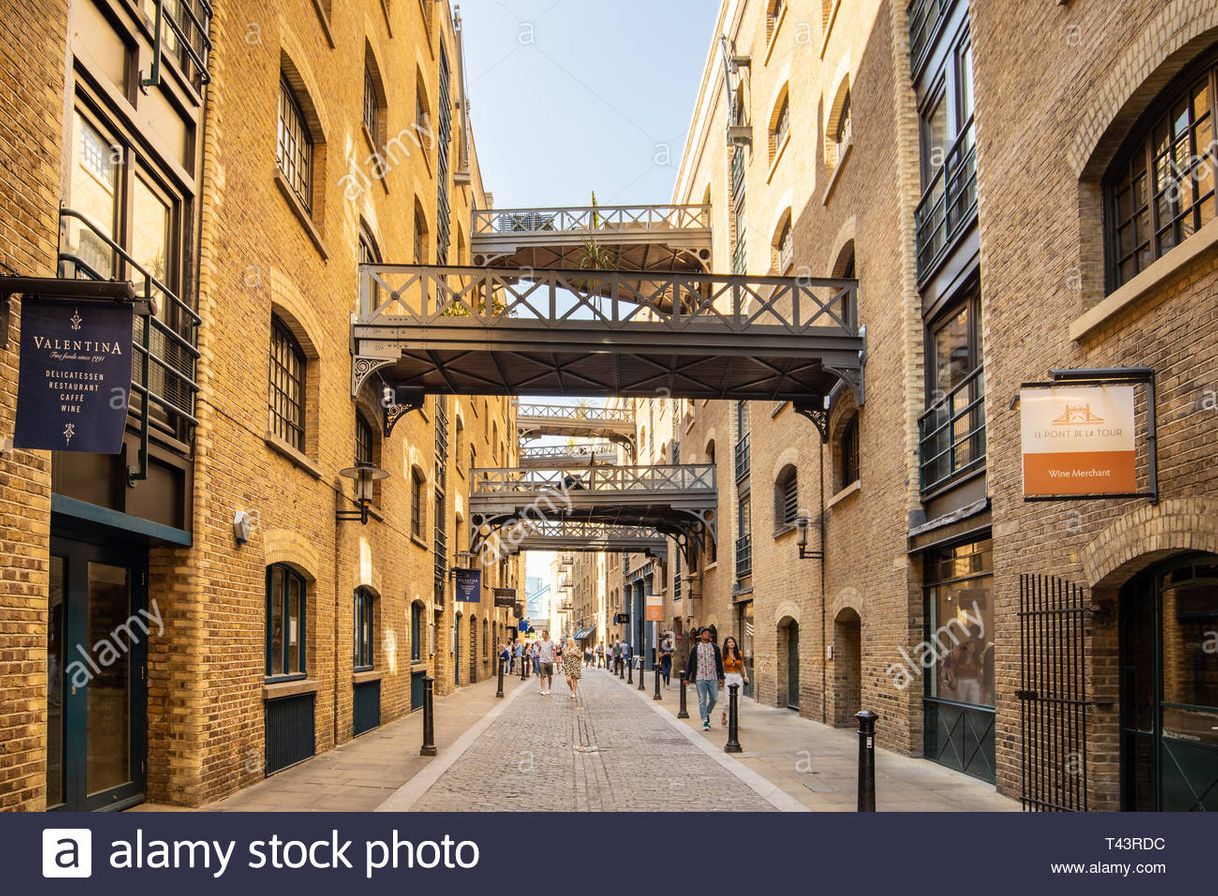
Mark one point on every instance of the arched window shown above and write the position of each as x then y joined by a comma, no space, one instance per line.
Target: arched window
848,452
783,247
375,117
416,632
418,506
773,16
294,149
780,125
1159,190
786,497
286,605
364,645
287,385
846,269
838,127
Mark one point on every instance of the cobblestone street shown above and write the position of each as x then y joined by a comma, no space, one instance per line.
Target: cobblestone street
607,751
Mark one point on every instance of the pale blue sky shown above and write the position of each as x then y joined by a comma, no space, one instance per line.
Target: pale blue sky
570,96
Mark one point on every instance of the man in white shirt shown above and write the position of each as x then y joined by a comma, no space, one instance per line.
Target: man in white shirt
545,656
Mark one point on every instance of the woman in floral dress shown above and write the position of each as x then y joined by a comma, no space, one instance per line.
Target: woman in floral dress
571,661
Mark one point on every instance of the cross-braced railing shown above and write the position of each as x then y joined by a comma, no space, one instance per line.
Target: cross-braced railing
595,413
503,298
556,455
590,219
653,480
581,535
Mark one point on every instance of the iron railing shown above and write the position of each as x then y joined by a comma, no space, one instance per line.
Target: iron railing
738,170
656,479
593,413
952,433
184,32
743,459
744,556
165,362
603,452
505,298
587,220
949,202
925,19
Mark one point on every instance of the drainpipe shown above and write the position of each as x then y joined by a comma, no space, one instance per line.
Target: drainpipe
337,580
824,559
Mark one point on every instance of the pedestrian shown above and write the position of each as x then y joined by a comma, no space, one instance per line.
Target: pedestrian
705,670
535,658
588,656
572,666
600,656
545,662
666,649
617,657
505,657
734,670
518,654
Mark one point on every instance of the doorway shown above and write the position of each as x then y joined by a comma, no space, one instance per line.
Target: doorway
788,654
1169,686
97,644
847,668
473,650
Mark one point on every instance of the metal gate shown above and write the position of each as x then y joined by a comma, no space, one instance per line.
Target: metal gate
1052,694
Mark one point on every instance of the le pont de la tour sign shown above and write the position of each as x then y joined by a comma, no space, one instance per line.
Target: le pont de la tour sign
1078,440
75,375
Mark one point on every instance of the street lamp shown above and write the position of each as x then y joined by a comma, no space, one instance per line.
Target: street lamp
803,523
364,474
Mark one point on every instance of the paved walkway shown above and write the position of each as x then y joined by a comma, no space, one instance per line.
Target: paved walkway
614,749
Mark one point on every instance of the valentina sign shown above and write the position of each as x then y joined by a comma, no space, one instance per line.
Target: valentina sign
75,378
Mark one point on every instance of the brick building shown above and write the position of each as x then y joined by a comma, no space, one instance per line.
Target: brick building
1004,220
239,179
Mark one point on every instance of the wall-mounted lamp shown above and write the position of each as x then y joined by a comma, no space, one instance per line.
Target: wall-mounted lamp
243,525
364,475
803,523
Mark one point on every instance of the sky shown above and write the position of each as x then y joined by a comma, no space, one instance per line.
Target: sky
568,97
572,96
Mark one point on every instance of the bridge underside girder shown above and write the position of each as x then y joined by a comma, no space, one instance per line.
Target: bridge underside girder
567,535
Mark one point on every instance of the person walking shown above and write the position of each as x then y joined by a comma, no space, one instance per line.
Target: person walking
705,670
545,662
588,656
505,657
600,656
734,671
666,649
535,658
617,657
571,663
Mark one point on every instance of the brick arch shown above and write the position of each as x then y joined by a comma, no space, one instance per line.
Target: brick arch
1168,42
1147,534
297,313
290,547
786,609
789,457
845,236
848,598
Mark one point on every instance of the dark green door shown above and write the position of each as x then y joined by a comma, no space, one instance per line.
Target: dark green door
457,651
793,665
1169,687
97,646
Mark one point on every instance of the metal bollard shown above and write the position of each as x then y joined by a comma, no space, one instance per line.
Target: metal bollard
429,724
524,667
656,669
733,720
867,720
630,671
499,693
621,669
642,686
683,713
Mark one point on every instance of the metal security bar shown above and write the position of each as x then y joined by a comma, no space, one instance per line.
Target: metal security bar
1052,695
949,202
744,556
660,479
590,219
952,432
743,457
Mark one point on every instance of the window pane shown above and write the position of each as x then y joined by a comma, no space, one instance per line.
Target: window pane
93,191
953,354
961,614
295,619
276,623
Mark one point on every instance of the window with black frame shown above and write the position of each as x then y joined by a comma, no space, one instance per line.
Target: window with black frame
959,686
363,440
848,453
287,386
786,497
1160,189
416,632
364,645
294,148
417,503
952,429
286,614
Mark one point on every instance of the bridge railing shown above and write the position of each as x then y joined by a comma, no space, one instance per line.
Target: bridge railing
656,479
503,298
595,413
541,454
588,220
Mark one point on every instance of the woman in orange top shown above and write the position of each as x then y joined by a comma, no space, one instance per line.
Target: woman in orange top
734,671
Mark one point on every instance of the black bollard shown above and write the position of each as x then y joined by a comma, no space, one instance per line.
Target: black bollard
630,671
656,669
683,713
733,720
642,686
867,720
499,693
429,724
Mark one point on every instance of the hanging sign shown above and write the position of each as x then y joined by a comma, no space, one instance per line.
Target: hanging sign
621,619
505,597
469,585
1078,440
654,610
75,375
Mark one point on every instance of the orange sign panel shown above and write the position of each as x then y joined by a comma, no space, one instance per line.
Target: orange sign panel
654,609
1078,440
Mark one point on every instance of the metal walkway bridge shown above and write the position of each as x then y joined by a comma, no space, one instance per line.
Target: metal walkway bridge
583,536
583,453
664,238
676,500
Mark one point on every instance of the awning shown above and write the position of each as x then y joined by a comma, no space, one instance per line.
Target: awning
585,633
